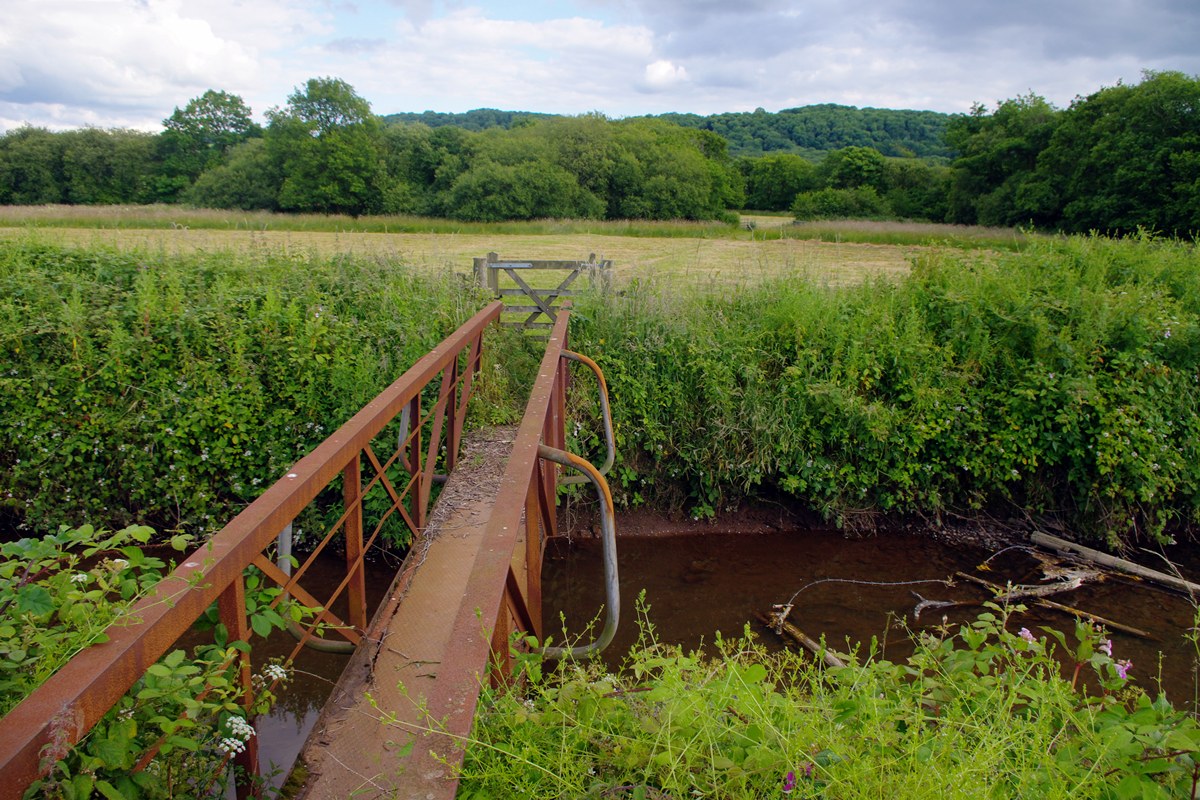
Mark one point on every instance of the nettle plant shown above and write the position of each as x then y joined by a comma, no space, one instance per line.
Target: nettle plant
173,733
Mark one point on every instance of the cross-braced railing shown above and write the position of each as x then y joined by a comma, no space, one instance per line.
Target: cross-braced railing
428,416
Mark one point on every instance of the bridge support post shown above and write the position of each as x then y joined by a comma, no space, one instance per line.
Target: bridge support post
231,608
356,590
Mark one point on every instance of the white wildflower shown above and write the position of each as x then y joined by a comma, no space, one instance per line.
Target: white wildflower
240,728
275,672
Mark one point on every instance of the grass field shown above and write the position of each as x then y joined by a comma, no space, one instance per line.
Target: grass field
640,258
702,253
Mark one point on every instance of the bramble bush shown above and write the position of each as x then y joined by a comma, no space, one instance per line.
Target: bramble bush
172,389
1061,378
976,711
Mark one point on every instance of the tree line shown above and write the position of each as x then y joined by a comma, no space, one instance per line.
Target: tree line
810,131
325,151
1123,158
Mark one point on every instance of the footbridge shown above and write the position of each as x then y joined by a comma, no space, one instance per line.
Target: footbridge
479,509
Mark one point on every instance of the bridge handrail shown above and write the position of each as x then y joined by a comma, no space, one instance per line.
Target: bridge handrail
73,700
496,600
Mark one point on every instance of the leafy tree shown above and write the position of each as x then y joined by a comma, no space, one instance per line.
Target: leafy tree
327,145
813,130
31,167
663,171
476,120
915,189
1128,157
107,166
198,136
247,179
491,191
829,203
998,153
852,167
773,181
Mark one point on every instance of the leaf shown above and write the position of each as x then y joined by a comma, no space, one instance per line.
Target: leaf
82,786
1130,788
34,600
754,673
261,625
109,791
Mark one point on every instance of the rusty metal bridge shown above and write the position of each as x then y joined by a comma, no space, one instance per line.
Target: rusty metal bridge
396,723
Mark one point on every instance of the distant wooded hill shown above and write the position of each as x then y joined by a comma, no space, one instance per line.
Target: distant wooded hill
810,131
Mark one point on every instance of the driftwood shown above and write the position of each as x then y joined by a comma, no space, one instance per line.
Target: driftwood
781,626
1112,562
1041,601
1072,582
924,603
1068,580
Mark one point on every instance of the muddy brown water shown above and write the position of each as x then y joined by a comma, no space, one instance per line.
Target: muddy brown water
847,590
695,585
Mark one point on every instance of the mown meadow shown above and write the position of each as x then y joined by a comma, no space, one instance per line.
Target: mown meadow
1053,376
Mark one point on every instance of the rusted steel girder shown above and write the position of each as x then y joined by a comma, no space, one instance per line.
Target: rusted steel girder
73,700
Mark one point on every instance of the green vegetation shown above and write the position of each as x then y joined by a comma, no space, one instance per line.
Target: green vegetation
173,389
326,152
477,119
1123,158
173,217
812,131
171,735
1057,379
974,712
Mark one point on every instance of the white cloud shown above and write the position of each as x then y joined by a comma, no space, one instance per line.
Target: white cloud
662,75
65,63
119,62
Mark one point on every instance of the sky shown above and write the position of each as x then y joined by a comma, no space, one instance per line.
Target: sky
130,63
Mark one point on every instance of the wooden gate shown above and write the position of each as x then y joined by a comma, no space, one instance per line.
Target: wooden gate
528,304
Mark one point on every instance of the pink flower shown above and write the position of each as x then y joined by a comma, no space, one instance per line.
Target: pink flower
1123,668
1106,647
1026,634
789,782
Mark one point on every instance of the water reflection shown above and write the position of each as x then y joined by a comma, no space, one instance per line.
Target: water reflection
696,585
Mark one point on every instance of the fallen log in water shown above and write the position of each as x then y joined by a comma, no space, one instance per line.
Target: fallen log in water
1041,601
782,626
924,603
1112,562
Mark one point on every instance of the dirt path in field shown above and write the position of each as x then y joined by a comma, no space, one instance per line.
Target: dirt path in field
721,261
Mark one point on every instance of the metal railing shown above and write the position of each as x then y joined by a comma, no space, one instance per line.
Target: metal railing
503,595
73,700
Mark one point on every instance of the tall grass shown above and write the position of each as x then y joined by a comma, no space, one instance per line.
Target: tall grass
178,217
174,217
912,233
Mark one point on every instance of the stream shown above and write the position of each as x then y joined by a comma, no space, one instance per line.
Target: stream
842,588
